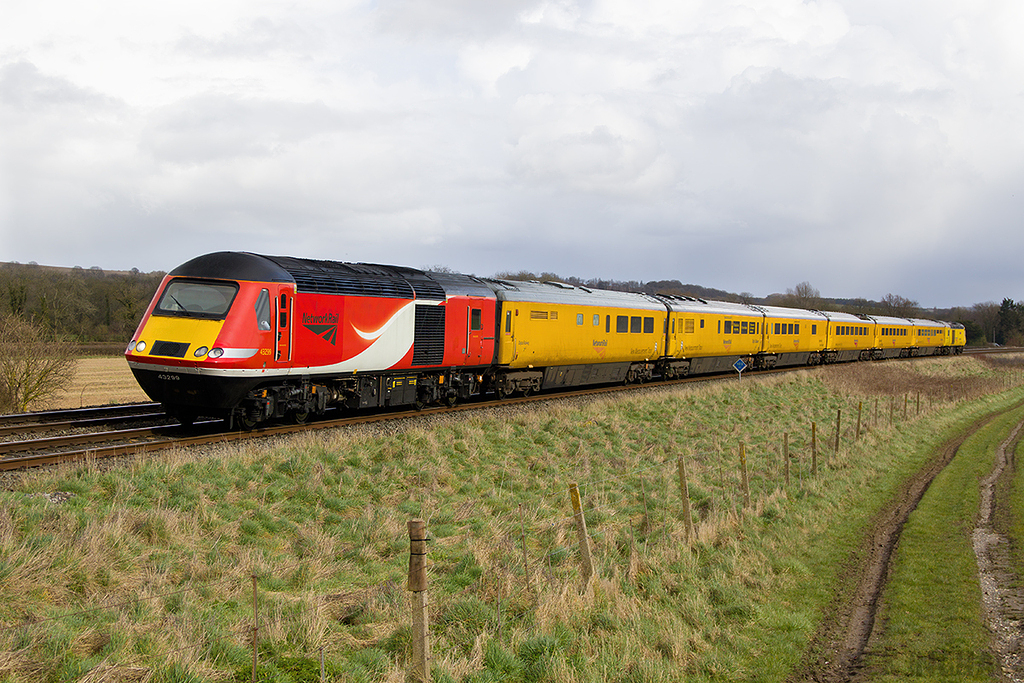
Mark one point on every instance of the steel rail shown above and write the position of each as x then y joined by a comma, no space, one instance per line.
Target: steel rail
53,416
37,427
158,437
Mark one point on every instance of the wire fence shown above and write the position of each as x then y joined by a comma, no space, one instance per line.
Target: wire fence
683,499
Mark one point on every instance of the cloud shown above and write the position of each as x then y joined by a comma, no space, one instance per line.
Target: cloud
741,144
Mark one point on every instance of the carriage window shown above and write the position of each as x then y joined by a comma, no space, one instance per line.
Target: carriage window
689,326
607,324
728,327
475,320
814,329
797,328
648,325
634,324
743,327
508,322
621,323
597,320
579,318
263,311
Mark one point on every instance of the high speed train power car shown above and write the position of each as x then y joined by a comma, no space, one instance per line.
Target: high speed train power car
251,338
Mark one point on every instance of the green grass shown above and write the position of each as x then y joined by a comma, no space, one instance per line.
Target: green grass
166,547
934,623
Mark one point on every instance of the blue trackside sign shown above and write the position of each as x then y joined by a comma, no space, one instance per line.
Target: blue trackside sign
739,366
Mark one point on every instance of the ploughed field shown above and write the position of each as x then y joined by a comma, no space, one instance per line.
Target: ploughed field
98,381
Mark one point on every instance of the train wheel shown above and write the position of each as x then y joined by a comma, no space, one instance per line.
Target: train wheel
501,393
246,423
300,417
451,400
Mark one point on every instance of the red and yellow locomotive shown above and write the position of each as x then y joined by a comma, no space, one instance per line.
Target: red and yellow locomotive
251,338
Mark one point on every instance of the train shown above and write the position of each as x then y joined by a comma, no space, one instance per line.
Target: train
252,338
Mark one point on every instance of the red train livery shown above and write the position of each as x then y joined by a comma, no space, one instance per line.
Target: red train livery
251,338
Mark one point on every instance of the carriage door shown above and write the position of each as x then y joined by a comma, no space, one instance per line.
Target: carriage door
474,333
506,335
285,306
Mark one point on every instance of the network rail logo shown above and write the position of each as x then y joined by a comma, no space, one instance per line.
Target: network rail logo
324,326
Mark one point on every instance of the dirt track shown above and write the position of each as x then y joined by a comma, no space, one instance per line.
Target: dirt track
837,650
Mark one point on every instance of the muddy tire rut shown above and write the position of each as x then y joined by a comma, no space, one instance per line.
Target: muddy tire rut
1000,589
837,650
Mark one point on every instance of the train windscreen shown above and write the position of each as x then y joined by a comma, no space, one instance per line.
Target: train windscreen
196,299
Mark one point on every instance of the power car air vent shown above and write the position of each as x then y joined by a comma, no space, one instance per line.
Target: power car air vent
172,349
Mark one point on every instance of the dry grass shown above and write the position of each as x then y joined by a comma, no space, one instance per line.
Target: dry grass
321,519
98,381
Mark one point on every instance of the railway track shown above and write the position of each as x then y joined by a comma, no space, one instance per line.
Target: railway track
38,439
81,443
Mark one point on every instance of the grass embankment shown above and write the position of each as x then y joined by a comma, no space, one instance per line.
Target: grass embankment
161,552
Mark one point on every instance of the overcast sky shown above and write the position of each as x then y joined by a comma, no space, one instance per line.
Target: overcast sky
866,146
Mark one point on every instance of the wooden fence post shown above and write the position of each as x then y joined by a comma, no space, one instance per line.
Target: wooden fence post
586,563
814,449
743,474
526,558
860,407
684,491
785,454
255,626
839,422
417,585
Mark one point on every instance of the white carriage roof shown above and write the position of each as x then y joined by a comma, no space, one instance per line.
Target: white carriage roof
561,293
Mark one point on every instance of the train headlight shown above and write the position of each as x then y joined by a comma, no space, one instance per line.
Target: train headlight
131,345
216,353
140,347
201,351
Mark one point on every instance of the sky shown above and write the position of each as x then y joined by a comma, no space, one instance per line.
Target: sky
867,147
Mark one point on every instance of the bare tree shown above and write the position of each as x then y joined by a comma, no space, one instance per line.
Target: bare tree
32,368
896,305
804,295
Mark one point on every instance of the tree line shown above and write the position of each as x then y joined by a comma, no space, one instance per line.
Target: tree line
985,323
81,305
76,304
